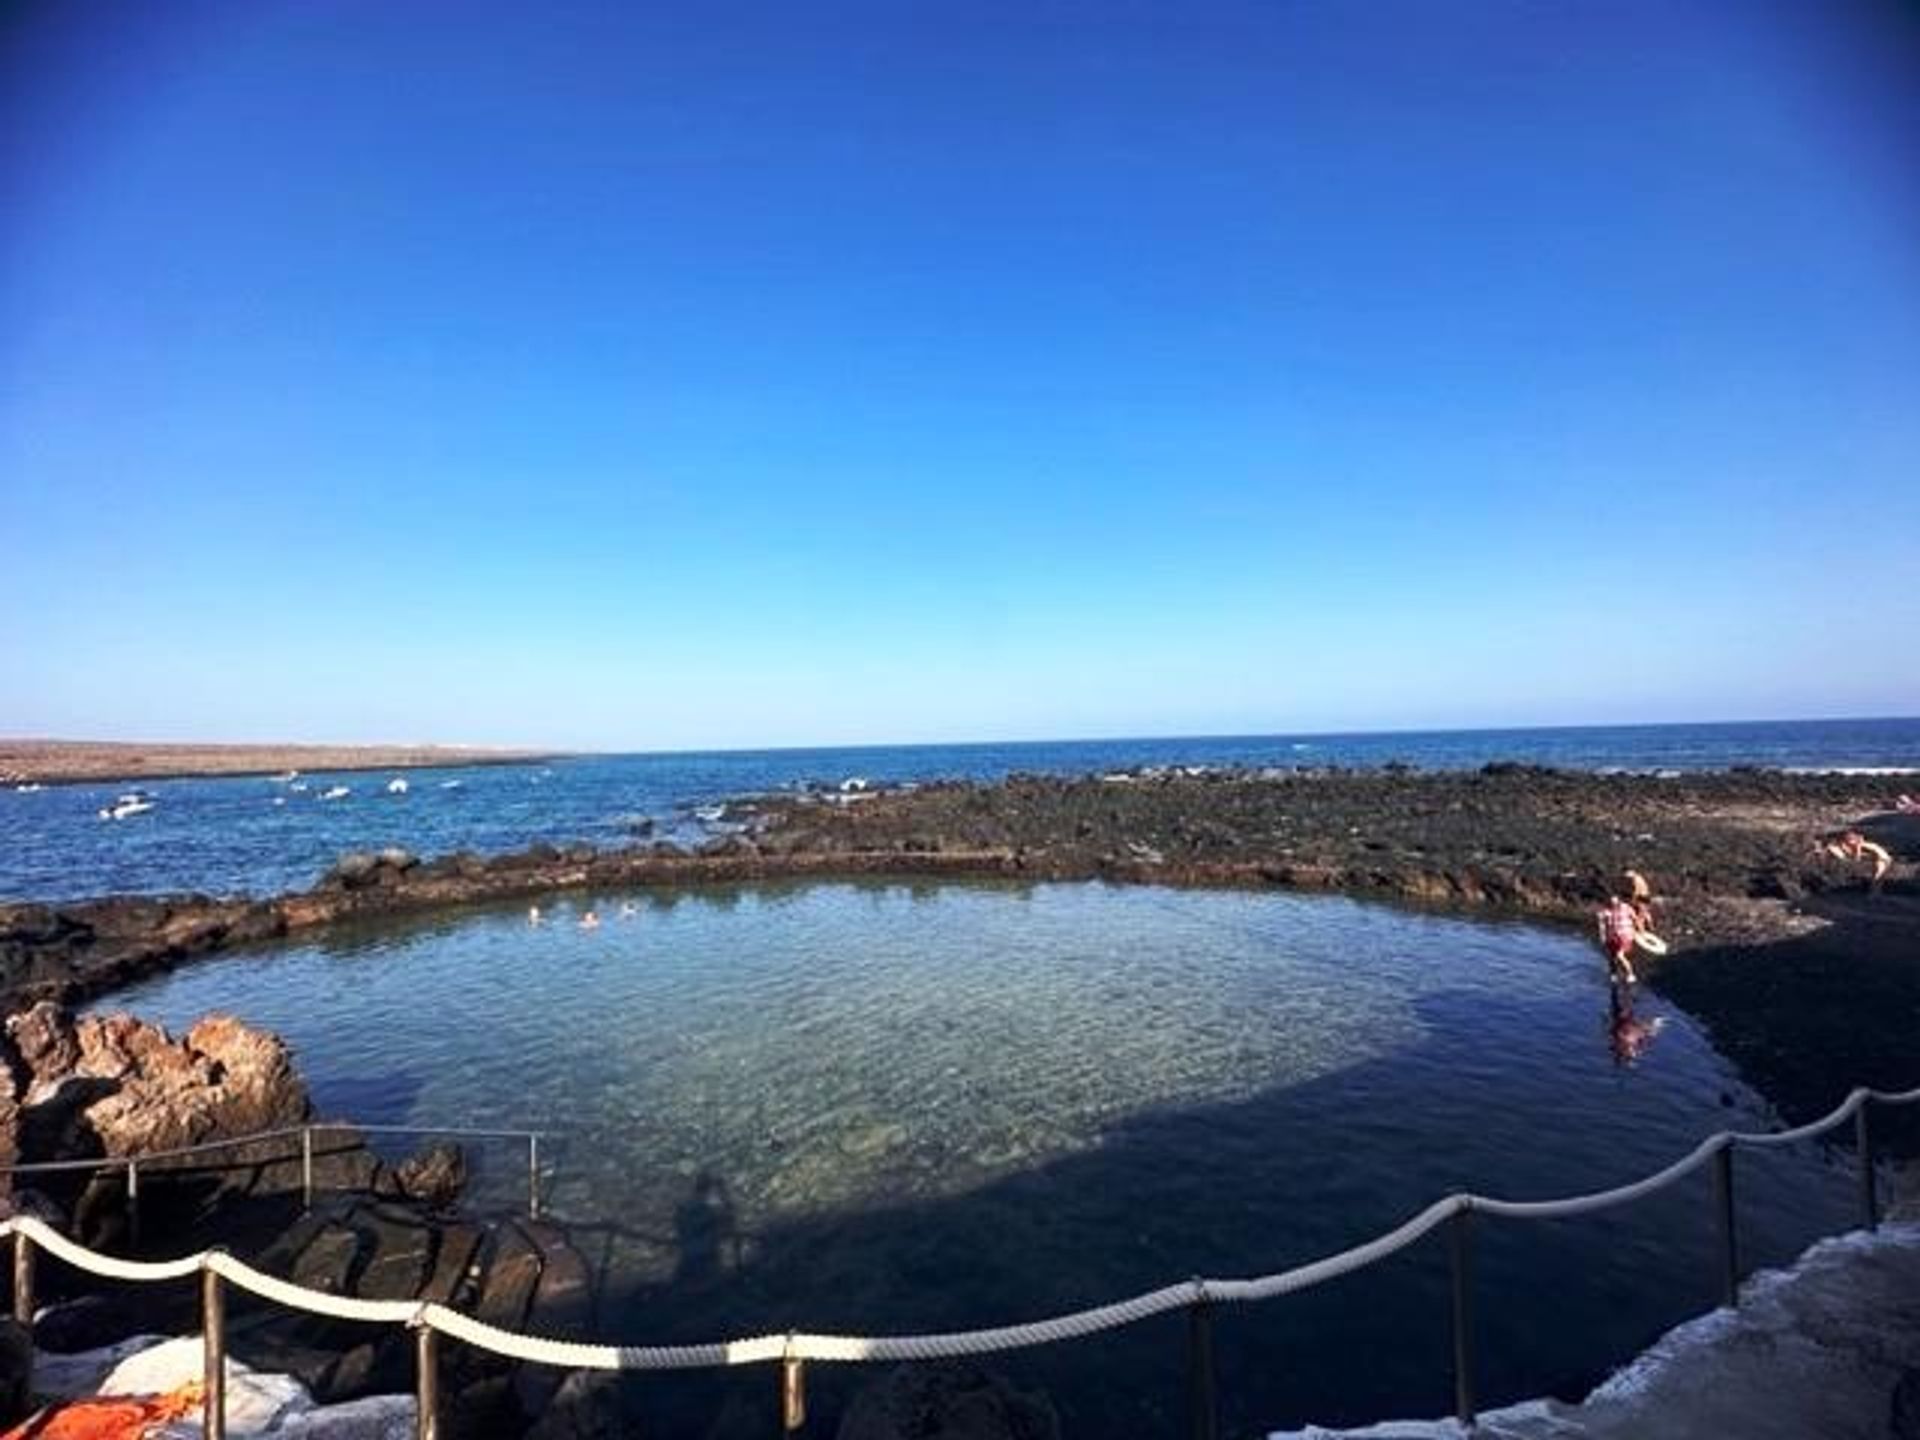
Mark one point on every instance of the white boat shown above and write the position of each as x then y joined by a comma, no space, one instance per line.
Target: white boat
710,813
396,786
449,784
299,787
28,789
132,803
287,779
337,792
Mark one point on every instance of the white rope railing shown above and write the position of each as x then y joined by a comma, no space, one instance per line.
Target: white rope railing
806,1346
795,1347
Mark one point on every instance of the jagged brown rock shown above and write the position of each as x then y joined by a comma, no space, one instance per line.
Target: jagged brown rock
114,1085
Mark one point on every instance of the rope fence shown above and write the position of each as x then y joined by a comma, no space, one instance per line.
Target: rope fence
793,1350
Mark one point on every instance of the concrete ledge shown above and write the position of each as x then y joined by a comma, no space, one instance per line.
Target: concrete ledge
1813,1350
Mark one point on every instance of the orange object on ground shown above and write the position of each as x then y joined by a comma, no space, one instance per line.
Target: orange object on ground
110,1417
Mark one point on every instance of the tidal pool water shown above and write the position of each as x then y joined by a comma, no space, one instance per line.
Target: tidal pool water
883,1107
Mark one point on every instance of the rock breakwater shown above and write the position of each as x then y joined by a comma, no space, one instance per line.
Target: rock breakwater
1510,838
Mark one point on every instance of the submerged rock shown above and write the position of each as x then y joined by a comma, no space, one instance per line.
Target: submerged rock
586,1407
947,1401
435,1177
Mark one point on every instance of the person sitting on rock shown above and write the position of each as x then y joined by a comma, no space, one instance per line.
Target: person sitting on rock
1640,896
1618,923
1852,845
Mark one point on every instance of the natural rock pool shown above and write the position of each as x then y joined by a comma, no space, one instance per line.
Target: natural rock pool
880,1107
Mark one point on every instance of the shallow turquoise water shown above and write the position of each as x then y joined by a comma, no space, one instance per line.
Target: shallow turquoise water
865,1106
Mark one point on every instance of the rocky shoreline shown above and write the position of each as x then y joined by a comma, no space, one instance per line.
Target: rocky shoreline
94,1094
1806,980
1744,896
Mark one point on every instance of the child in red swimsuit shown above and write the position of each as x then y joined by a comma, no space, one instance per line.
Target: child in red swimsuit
1618,924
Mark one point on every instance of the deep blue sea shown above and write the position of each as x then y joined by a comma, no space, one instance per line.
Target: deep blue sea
261,836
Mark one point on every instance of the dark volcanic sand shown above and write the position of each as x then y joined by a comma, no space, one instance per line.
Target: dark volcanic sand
1806,981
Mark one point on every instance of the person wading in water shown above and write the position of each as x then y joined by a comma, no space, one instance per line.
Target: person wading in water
1618,924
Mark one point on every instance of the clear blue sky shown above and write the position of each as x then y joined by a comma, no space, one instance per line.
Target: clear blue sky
659,376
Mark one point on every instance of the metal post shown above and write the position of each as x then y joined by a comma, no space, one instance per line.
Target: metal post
1729,1238
306,1167
793,1396
23,1280
533,1176
1863,1151
213,1325
426,1380
1206,1418
23,1291
1460,1247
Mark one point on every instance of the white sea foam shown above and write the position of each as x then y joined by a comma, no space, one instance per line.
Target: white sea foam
1850,770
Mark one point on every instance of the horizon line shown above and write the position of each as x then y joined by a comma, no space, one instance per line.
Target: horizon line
535,751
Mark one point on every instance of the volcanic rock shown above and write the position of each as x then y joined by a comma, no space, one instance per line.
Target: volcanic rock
949,1401
16,1365
43,1038
435,1177
586,1407
115,1085
9,1130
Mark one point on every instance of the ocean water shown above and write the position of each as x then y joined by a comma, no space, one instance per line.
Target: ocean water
869,1108
255,836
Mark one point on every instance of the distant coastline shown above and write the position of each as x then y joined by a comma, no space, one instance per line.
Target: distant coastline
70,762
